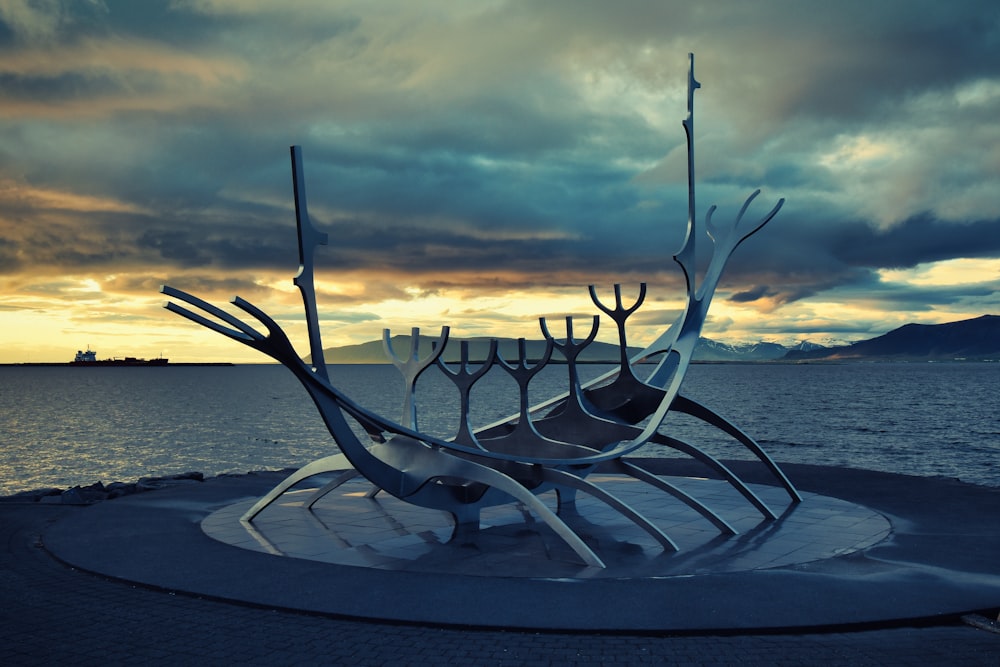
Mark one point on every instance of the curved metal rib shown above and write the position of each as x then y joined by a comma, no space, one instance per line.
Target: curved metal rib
563,478
334,484
427,464
719,467
628,468
317,467
695,409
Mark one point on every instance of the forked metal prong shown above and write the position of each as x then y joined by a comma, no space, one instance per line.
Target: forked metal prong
212,310
207,323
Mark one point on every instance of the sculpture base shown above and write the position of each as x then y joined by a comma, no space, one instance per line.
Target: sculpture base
922,548
349,528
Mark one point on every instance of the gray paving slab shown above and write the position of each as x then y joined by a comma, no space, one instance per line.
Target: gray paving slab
53,614
937,563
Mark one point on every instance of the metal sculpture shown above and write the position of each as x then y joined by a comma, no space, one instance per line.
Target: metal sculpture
552,446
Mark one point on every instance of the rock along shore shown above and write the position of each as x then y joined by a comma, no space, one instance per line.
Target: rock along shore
98,491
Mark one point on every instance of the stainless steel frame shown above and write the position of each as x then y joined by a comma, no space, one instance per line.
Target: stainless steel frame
553,445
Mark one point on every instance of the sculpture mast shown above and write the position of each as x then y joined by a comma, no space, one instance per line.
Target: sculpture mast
686,256
309,238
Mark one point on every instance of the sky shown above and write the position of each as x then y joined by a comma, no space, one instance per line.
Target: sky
479,163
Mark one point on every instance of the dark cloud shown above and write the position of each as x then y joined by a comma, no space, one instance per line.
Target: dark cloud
508,145
157,20
751,295
808,257
57,89
916,240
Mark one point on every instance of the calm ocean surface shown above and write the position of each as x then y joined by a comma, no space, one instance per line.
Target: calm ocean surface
62,426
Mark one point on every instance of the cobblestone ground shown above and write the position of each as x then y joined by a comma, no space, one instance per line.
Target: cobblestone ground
51,614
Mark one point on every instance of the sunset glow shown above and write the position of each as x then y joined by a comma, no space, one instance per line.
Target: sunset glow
479,164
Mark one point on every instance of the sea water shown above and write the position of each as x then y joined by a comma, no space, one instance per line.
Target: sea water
63,426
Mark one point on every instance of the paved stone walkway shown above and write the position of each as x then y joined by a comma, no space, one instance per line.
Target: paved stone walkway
51,614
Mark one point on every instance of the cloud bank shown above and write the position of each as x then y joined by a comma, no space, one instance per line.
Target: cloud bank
486,159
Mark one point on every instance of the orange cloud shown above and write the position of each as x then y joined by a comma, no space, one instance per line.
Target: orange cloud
149,76
122,56
22,194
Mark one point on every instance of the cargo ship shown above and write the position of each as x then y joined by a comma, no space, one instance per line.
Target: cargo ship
88,357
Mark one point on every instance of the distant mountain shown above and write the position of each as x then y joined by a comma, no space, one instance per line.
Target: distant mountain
372,352
978,338
712,350
973,339
806,346
707,350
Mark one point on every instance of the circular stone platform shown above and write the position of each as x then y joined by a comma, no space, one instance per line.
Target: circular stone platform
348,528
864,547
